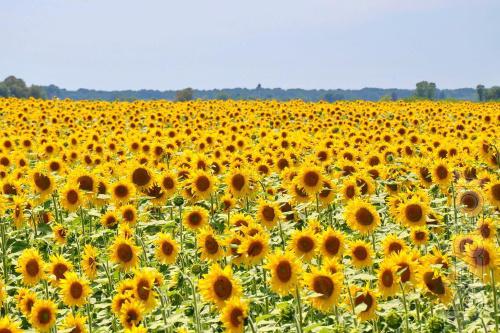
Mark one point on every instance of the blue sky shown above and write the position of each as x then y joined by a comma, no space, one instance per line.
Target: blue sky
163,44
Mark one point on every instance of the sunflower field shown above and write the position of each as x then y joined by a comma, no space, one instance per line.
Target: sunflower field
255,216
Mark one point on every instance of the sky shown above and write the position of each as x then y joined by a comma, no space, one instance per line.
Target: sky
205,44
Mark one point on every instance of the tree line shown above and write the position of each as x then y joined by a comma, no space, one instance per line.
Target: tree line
15,87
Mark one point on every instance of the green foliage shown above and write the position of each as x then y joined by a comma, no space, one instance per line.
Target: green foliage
184,95
14,87
426,90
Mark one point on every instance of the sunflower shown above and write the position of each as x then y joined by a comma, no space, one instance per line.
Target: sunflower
166,248
460,243
361,254
195,218
486,228
227,202
140,175
297,193
254,248
469,201
481,257
43,315
419,235
136,329
241,220
131,313
285,273
441,173
58,267
406,266
361,216
413,212
168,182
234,315
208,244
42,182
25,300
109,219
233,243
388,279
269,213
326,286
201,184
332,243
75,323
122,192
364,302
7,325
493,192
124,253
74,290
349,190
303,244
218,285
89,261
392,245
129,214
333,265
60,234
434,284
310,179
240,182
32,267
143,283
71,198
327,193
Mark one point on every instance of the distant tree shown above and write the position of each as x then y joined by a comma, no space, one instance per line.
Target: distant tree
4,90
222,96
441,95
421,89
431,91
425,90
332,97
385,98
481,92
37,92
493,93
394,96
184,95
259,86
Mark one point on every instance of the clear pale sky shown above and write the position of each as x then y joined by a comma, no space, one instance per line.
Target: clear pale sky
163,44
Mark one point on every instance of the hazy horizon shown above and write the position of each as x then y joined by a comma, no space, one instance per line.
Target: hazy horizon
319,44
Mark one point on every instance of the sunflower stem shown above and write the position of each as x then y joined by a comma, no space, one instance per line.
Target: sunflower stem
282,237
89,315
407,325
495,304
299,308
